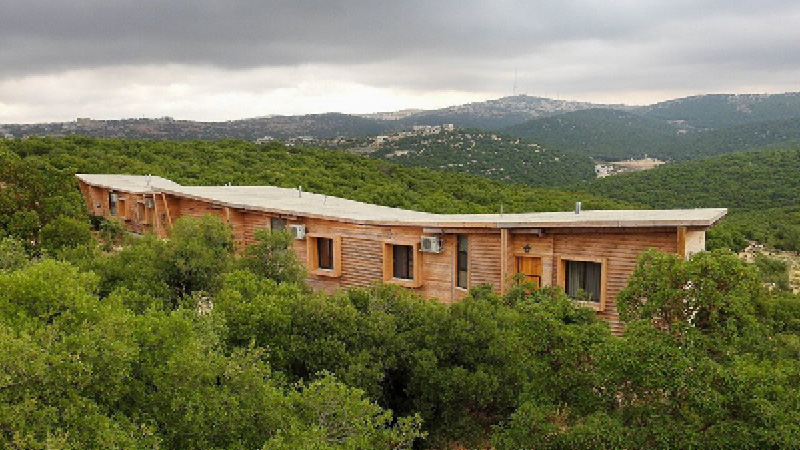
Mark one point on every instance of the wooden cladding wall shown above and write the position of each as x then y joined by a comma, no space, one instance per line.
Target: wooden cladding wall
362,257
621,251
361,261
484,260
537,246
362,246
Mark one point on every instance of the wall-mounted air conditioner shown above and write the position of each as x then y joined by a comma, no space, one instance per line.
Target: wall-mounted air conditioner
430,244
298,231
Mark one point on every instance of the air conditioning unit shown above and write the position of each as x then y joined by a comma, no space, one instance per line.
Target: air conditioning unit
298,231
430,244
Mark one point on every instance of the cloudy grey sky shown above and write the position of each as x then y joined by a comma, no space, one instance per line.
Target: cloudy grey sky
229,59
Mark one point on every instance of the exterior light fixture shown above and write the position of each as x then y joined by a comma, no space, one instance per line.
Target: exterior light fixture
527,248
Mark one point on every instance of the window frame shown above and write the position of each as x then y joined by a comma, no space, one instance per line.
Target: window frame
277,223
388,264
112,204
562,270
406,265
457,262
312,257
324,253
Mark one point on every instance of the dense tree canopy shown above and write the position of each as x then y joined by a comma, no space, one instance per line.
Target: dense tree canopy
115,349
322,171
186,344
492,155
760,188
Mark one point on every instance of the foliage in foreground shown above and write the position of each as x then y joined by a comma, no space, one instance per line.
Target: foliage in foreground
110,349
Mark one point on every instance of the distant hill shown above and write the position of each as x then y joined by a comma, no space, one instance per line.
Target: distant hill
761,189
495,156
681,129
167,129
747,136
322,171
725,110
746,180
500,113
491,114
614,135
602,133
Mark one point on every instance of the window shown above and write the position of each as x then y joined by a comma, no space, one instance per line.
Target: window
112,203
324,253
277,224
462,262
403,262
582,280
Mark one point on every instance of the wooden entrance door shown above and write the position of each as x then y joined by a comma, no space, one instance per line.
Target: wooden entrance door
531,269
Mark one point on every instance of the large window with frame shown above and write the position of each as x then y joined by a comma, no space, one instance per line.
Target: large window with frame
402,264
582,280
462,261
324,255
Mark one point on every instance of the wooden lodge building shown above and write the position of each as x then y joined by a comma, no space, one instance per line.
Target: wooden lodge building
347,243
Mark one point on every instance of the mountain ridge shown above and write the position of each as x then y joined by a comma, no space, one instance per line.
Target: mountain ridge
661,123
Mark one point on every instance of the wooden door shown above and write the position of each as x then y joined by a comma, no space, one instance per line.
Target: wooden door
531,269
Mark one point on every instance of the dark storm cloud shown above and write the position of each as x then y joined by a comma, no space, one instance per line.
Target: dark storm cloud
218,59
46,36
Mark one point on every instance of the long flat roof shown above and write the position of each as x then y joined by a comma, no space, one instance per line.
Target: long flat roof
307,204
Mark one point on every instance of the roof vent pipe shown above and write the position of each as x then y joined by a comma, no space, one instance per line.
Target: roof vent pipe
299,191
577,207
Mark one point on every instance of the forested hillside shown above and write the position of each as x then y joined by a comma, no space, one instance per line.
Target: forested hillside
615,135
182,344
726,110
496,156
602,134
322,171
761,188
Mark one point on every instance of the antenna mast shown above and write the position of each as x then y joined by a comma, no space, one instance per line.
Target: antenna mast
515,82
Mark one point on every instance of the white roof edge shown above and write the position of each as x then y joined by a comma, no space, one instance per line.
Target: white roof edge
368,214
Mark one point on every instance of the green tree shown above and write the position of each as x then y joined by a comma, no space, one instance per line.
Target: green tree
773,271
336,417
270,255
711,292
64,233
12,254
111,233
24,225
197,253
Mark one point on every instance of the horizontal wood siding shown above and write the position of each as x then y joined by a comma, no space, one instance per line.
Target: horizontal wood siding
362,261
253,220
539,247
438,271
484,259
236,220
362,246
621,251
